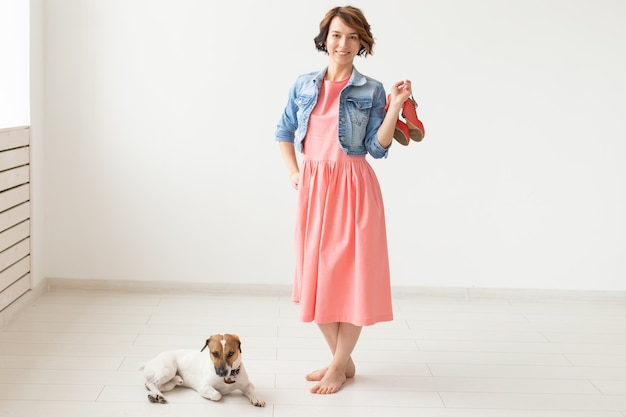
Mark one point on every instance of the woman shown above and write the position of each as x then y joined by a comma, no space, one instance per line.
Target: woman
335,117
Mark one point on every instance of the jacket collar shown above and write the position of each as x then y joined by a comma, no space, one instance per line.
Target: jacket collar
356,78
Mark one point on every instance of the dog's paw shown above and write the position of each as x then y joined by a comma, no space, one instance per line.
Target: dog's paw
257,402
156,398
215,396
210,393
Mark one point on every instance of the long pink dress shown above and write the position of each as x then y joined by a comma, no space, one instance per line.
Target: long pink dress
342,264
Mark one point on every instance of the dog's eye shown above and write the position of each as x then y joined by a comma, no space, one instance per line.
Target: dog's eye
230,354
216,354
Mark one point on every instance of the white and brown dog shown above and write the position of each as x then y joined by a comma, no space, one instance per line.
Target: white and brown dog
213,375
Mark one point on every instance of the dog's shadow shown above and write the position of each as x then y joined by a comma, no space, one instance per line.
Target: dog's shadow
186,395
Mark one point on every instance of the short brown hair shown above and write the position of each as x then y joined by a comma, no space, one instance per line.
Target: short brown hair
355,19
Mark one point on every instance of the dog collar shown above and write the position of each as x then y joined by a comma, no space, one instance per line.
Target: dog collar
230,379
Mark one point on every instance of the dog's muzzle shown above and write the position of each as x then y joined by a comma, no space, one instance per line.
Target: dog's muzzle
222,371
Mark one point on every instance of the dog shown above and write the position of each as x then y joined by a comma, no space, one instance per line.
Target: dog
212,375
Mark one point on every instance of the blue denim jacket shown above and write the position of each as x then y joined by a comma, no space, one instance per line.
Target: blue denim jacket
361,112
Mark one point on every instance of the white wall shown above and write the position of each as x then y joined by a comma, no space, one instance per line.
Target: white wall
160,164
14,64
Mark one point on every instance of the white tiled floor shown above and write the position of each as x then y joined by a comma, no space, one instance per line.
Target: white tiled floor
77,352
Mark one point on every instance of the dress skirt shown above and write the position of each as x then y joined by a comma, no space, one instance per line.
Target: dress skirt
342,263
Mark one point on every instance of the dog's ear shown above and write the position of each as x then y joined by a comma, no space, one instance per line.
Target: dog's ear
206,344
238,342
236,337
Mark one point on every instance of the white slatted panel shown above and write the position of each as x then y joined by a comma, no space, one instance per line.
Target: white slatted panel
14,214
14,197
14,254
13,158
14,138
13,292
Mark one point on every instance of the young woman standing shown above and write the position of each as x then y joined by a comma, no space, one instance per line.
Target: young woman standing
335,117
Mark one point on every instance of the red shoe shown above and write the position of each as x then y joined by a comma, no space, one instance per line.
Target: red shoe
416,127
402,133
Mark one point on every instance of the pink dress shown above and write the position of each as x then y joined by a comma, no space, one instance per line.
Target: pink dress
342,264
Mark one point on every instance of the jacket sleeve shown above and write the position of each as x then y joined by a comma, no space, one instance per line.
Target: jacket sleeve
377,114
288,122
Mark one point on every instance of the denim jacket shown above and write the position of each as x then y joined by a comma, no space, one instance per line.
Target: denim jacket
361,112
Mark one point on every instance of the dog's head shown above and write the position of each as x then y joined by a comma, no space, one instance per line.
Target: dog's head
225,352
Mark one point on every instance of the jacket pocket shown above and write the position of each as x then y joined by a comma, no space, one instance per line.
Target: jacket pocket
359,110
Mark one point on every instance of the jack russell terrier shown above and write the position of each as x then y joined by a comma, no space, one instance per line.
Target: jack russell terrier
213,375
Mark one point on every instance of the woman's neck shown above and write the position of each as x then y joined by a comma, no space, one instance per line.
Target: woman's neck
337,73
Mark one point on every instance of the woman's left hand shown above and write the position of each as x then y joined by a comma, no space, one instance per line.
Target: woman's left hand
401,91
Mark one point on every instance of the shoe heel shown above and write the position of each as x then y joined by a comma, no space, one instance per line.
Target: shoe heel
402,133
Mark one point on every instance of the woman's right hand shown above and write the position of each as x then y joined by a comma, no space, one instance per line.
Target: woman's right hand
295,179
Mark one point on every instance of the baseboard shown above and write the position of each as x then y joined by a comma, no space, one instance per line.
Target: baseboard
513,294
285,290
161,287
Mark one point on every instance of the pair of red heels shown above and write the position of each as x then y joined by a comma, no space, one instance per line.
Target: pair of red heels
413,128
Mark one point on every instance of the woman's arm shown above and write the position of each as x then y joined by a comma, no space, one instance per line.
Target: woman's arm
400,92
288,152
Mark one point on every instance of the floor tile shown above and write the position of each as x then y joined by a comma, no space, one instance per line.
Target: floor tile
534,401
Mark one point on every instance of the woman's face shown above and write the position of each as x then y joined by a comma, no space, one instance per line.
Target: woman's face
342,42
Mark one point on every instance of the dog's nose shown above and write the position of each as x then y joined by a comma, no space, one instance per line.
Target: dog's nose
223,372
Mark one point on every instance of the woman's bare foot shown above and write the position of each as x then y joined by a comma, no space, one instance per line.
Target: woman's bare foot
316,375
319,374
332,381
